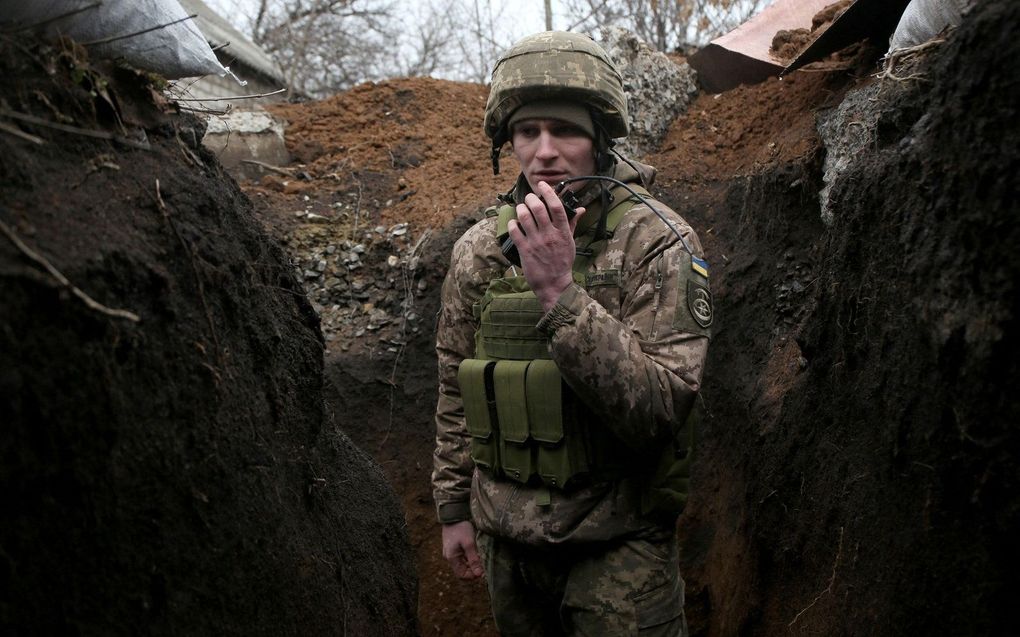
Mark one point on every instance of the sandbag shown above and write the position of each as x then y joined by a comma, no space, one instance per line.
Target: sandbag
922,20
174,51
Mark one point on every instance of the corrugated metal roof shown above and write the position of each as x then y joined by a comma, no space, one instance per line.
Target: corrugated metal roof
218,31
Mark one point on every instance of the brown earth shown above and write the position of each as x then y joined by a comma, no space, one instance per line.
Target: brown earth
857,467
168,465
787,44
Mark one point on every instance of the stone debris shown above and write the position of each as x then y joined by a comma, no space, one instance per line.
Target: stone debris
248,142
846,131
658,89
359,281
790,293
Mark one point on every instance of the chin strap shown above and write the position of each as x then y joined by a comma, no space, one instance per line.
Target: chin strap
495,158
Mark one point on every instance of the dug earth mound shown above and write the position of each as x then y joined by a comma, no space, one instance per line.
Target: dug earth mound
169,466
856,469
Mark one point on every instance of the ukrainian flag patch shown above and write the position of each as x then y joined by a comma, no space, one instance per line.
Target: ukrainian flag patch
700,266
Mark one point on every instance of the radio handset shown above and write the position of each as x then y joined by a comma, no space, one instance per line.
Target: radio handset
570,205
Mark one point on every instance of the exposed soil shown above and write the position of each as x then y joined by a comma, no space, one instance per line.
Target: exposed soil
168,465
788,43
857,467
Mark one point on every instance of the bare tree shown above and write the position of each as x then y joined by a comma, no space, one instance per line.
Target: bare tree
480,41
324,46
462,39
667,25
428,45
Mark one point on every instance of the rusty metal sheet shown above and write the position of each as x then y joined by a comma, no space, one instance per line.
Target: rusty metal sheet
874,19
742,55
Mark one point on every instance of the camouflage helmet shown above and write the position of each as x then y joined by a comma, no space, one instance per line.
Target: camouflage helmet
555,65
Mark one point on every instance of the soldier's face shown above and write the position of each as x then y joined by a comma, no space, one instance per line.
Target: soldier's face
552,150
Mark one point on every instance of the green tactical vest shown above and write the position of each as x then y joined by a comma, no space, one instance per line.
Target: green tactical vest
524,421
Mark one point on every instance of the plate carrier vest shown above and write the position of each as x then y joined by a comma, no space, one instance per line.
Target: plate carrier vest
525,422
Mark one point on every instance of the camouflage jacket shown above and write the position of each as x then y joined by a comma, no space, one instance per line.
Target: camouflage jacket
628,346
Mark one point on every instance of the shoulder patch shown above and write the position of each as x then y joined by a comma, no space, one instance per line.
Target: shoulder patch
695,308
699,302
700,266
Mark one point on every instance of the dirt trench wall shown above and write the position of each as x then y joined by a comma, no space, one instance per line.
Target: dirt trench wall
858,473
175,475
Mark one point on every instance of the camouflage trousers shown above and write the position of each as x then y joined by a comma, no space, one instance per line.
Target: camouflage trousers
631,587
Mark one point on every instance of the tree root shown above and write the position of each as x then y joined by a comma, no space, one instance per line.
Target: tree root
63,281
832,581
889,66
74,130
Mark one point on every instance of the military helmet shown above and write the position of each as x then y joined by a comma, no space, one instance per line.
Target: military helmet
555,65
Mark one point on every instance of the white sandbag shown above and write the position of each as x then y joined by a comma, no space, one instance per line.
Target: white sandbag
922,20
174,51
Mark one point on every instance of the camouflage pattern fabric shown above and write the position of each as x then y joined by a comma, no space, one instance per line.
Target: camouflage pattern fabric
630,587
623,344
555,65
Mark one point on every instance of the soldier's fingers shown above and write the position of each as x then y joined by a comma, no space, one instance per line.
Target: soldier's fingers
578,213
557,214
515,231
474,562
457,561
465,569
539,211
526,218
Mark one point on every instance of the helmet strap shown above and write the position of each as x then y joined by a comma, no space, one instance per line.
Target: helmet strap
605,163
495,158
604,160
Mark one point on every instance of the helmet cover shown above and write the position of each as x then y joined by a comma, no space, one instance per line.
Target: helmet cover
556,65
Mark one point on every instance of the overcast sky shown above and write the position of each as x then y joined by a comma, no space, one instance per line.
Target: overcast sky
513,20
529,15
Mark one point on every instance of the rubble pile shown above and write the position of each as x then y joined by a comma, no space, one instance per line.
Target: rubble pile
360,284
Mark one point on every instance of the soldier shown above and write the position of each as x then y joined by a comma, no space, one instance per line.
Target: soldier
571,344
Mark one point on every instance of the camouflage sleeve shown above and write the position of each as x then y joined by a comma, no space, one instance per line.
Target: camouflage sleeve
639,367
470,269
